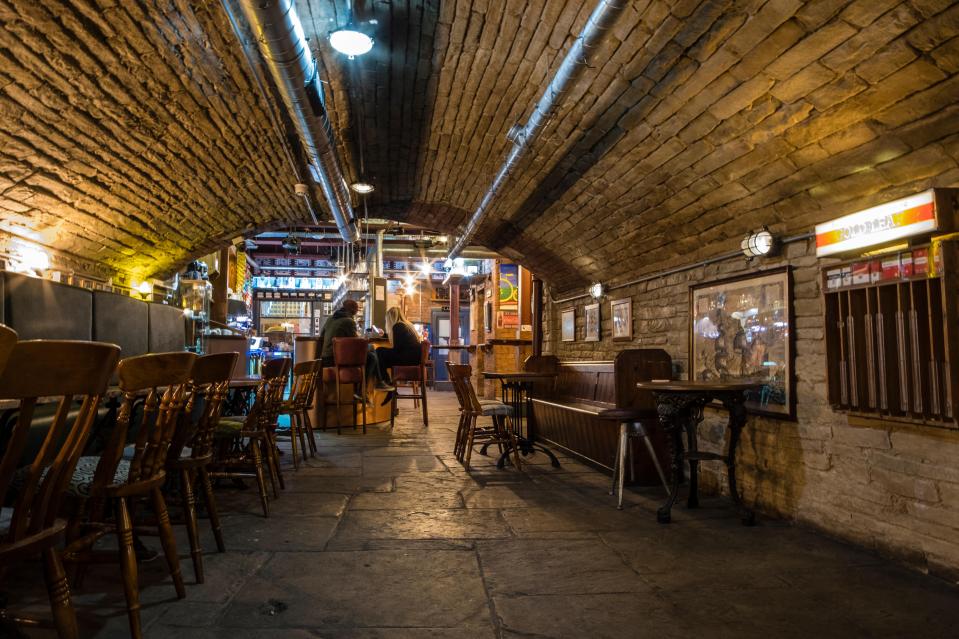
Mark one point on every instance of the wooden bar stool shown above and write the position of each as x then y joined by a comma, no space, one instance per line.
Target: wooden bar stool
70,371
191,450
414,378
349,357
633,423
158,383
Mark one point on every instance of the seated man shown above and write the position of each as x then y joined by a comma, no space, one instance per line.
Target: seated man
342,324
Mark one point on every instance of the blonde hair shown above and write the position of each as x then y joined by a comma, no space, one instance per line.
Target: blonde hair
395,316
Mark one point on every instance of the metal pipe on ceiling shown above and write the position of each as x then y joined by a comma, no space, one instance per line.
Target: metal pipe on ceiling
577,60
280,38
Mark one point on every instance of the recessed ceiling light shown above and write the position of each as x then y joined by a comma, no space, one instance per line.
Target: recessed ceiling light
351,42
362,187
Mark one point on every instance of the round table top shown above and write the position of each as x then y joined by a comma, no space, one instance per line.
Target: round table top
519,375
696,386
243,382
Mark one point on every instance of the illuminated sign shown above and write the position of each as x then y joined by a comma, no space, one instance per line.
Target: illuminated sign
880,224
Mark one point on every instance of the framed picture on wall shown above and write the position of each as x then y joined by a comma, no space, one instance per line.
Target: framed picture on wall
592,322
741,328
621,313
569,324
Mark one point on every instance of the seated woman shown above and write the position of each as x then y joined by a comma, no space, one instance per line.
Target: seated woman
404,348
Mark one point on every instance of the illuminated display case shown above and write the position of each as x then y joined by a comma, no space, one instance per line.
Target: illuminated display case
195,296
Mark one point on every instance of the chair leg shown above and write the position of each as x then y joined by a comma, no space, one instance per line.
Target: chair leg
192,532
211,509
469,440
311,436
511,433
128,567
275,451
270,466
623,443
293,435
260,478
364,396
659,469
64,617
336,410
426,414
393,407
298,416
168,541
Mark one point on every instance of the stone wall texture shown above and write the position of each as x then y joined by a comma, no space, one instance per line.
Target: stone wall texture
890,486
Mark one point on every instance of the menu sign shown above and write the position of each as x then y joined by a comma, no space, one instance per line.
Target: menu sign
881,224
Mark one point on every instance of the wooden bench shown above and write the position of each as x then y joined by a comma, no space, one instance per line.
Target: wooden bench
565,414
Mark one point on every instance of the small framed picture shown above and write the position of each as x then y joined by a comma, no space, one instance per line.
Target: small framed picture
621,312
592,322
569,325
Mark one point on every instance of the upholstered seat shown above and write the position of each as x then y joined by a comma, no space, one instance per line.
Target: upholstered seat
228,427
498,409
406,373
82,478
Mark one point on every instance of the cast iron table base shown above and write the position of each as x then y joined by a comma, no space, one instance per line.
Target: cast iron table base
680,407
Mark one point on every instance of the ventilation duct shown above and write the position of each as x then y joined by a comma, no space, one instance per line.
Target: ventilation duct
279,36
577,60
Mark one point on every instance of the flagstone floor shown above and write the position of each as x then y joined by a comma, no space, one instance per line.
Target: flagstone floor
385,536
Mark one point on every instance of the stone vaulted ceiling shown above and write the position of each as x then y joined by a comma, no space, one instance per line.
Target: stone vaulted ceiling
133,132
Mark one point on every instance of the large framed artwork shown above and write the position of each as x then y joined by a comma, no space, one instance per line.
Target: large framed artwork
569,325
591,316
621,313
741,329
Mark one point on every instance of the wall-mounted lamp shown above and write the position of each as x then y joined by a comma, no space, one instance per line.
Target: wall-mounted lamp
29,259
760,243
145,288
596,290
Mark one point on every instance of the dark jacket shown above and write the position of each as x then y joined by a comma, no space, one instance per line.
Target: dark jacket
340,324
406,345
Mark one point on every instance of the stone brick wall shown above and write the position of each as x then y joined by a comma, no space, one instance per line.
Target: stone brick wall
891,487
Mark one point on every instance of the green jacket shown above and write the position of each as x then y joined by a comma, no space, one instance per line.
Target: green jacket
340,324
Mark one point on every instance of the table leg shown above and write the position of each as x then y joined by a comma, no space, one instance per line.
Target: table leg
663,515
693,416
737,419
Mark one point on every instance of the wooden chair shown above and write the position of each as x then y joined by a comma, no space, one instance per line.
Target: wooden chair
413,377
305,378
241,444
70,371
123,475
191,451
472,409
349,356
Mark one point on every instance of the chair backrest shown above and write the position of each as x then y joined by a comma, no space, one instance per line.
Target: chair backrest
276,367
210,383
68,370
305,376
349,351
424,352
8,339
461,374
456,385
160,382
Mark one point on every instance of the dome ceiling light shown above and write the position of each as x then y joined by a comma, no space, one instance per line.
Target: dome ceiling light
351,41
362,187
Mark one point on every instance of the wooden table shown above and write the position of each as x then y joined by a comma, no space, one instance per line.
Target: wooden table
680,406
516,388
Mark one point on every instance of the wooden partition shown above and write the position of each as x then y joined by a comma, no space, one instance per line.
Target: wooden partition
565,414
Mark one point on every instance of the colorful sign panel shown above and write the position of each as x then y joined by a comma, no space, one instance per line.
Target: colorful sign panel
508,286
888,222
